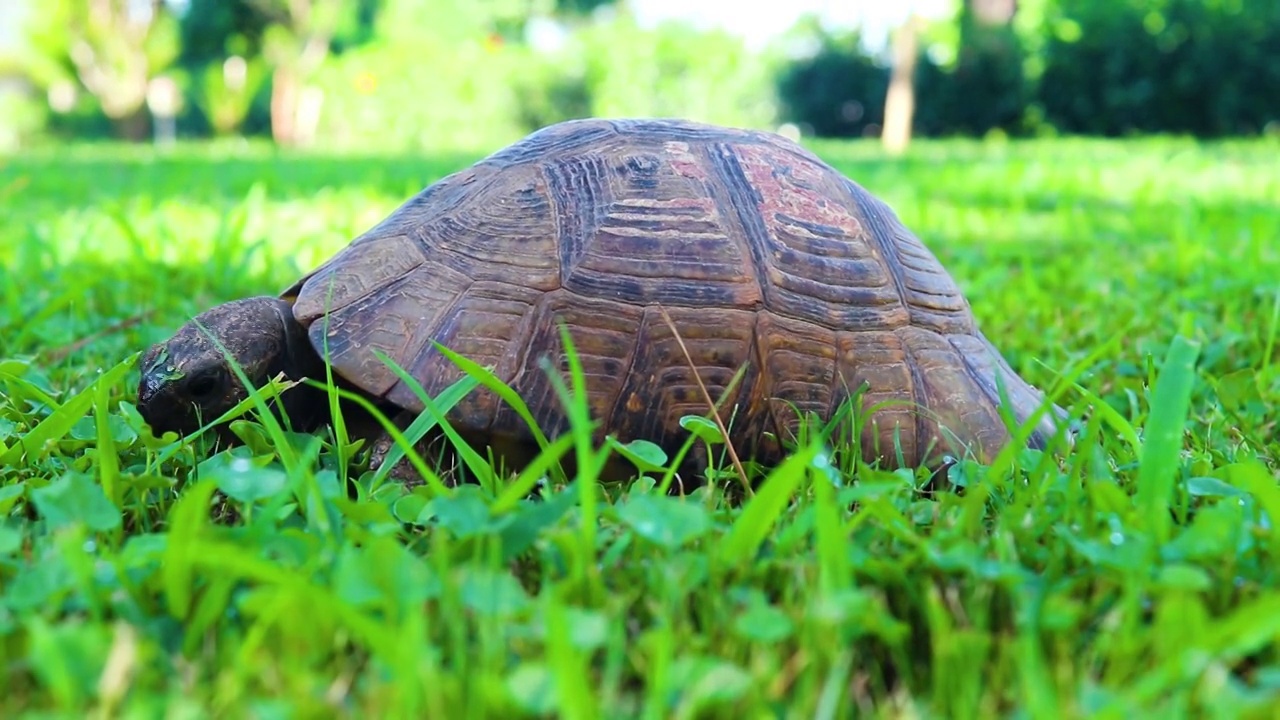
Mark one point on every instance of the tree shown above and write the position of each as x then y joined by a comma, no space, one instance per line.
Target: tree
987,88
899,101
991,12
295,44
113,48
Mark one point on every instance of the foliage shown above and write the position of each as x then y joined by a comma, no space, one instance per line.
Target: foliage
983,88
113,49
227,91
22,115
1131,575
969,81
220,35
214,32
1078,66
513,18
1206,67
836,91
434,78
616,68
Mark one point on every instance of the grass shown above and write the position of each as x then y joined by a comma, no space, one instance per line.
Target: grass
1131,574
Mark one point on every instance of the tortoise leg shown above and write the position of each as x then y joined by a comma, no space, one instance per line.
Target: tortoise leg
433,448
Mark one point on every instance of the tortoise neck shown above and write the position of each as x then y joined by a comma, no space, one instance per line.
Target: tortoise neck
306,406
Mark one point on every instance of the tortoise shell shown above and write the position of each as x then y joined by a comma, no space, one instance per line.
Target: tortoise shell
765,257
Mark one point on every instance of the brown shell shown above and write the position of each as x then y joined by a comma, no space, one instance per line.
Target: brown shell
763,255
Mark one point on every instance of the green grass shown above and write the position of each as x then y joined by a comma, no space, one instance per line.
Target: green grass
1132,574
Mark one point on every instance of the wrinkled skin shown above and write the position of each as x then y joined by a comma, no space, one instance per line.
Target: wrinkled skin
187,382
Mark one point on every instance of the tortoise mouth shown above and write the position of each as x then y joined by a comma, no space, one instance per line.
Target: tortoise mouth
149,389
151,407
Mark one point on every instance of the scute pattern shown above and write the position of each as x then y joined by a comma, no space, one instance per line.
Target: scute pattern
817,262
637,225
502,232
799,366
398,321
489,324
872,368
958,409
931,297
354,275
604,334
767,260
660,387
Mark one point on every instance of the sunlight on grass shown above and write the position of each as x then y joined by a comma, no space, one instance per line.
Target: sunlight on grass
1130,574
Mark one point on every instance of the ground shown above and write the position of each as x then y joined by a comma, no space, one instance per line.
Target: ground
1130,574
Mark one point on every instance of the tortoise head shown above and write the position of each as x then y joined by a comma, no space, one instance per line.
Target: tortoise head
187,380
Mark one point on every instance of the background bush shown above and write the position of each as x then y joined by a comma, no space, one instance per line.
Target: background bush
1101,67
1205,67
455,73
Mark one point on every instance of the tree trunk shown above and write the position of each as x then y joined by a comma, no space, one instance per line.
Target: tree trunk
286,89
899,103
134,126
993,12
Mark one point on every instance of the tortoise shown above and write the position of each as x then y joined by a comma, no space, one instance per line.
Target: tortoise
773,268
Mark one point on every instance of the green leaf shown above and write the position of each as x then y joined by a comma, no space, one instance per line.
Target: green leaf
588,629
242,478
410,508
383,574
188,520
526,523
664,520
491,381
488,592
465,513
10,495
763,623
75,498
547,462
1212,487
568,663
1255,478
10,541
532,687
708,681
434,415
740,545
38,584
704,428
1183,577
646,456
1234,389
68,658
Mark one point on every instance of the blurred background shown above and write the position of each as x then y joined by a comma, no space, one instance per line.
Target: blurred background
471,75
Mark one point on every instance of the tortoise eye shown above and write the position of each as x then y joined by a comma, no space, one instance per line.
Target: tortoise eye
204,384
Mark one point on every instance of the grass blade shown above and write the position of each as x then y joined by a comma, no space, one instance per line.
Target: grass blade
188,520
107,456
58,423
740,545
433,415
1162,438
573,684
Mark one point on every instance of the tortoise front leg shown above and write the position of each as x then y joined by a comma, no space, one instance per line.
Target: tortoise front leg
434,449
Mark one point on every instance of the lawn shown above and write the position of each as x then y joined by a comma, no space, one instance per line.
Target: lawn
1131,574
